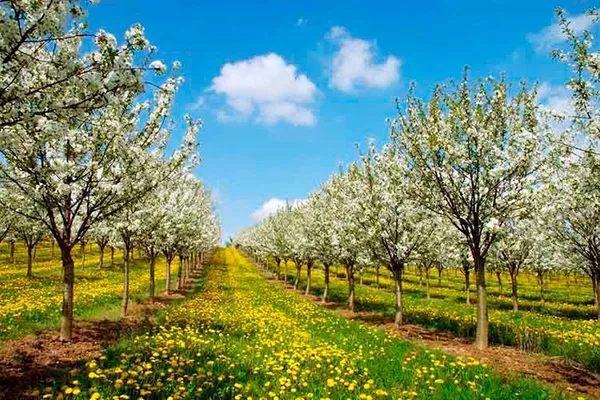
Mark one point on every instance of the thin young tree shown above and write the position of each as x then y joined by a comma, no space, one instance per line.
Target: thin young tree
394,225
474,154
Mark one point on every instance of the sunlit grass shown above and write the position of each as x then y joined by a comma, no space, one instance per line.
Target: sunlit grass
241,337
27,306
578,340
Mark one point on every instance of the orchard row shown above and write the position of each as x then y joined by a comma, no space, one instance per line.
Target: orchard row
86,144
478,177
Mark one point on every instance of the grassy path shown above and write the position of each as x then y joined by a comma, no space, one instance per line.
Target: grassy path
241,337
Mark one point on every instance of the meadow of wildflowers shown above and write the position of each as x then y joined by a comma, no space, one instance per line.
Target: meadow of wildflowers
241,337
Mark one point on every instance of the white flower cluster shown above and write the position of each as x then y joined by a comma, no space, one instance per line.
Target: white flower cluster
81,143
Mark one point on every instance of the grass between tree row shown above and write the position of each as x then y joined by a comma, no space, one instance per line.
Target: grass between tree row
576,340
31,305
241,337
563,295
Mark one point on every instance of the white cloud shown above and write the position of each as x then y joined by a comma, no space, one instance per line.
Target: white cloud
286,111
197,105
273,205
552,35
300,22
353,63
216,197
267,89
557,99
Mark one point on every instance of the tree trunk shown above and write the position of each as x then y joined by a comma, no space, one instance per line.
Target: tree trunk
125,301
102,255
427,284
377,276
420,276
278,268
12,251
66,326
112,256
595,288
180,274
326,289
309,266
397,271
168,272
499,277
541,282
351,295
82,254
29,262
285,271
481,337
186,269
152,279
515,297
598,292
439,277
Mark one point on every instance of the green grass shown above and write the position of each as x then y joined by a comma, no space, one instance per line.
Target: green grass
571,338
241,337
30,306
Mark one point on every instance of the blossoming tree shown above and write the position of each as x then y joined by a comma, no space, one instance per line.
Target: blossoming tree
74,158
474,156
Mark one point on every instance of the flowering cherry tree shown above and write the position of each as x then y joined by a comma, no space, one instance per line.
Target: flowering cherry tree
348,237
574,213
395,225
84,157
439,250
321,234
100,234
474,157
30,231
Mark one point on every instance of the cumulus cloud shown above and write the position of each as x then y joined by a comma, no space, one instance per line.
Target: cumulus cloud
215,196
549,37
558,100
266,89
555,98
273,205
353,64
197,105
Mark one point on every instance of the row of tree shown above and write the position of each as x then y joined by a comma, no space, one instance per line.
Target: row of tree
476,177
86,149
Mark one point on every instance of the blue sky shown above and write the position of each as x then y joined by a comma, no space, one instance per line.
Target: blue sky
307,80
